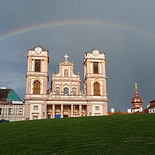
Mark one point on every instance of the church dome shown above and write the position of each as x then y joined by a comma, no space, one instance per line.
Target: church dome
136,98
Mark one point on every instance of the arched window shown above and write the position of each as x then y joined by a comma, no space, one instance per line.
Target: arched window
66,91
96,89
36,87
74,91
66,73
57,91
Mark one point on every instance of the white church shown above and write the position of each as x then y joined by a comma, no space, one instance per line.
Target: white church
64,98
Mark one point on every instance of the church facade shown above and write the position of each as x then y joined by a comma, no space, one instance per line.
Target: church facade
64,98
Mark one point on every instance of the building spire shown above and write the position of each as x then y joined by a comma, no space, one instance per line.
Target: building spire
136,86
136,101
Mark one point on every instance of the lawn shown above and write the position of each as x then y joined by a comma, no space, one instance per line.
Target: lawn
102,135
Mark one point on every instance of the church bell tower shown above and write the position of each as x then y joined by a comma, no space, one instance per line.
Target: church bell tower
36,83
95,82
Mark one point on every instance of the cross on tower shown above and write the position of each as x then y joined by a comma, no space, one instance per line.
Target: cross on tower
136,86
66,56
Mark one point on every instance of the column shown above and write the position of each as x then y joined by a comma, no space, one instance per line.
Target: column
26,110
84,70
42,64
89,87
80,109
101,68
104,87
89,109
60,70
61,110
105,107
28,85
70,88
53,110
71,110
88,66
91,67
32,65
44,110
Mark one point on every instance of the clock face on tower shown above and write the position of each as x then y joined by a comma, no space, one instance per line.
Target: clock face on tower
95,52
38,50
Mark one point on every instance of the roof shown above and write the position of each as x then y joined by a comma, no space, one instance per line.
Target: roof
66,63
140,112
92,50
4,93
38,46
8,95
4,120
120,112
152,104
152,101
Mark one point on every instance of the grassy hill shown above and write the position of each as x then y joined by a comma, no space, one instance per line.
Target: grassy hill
117,134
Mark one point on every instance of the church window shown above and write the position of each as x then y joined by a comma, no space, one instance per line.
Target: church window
57,90
66,90
97,108
35,107
20,111
74,91
96,89
10,111
95,67
36,87
66,73
37,65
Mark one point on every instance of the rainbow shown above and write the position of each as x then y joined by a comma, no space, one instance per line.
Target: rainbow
67,24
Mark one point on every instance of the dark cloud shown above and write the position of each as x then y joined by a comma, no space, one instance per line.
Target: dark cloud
127,39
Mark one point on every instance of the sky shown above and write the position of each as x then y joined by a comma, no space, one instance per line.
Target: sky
124,30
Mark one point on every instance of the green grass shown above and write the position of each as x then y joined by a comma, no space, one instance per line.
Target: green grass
117,134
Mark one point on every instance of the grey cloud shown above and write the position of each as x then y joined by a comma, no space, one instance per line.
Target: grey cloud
130,54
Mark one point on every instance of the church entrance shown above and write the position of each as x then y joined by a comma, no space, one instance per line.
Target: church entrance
65,115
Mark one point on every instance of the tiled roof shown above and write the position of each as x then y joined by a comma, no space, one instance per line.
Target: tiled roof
121,113
152,101
4,94
152,104
8,95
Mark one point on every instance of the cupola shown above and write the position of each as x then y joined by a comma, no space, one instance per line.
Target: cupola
136,101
